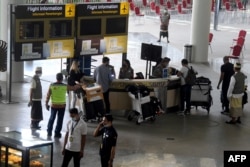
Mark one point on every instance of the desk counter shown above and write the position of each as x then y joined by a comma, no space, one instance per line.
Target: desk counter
120,100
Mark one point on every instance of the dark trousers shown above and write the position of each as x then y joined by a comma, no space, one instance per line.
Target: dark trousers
67,157
105,161
225,102
60,114
106,101
185,97
36,113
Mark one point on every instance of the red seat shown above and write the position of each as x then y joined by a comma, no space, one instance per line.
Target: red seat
157,10
212,7
175,2
224,2
162,3
236,52
189,2
132,6
145,3
185,5
242,33
240,6
138,12
179,9
211,35
240,41
152,6
170,8
228,6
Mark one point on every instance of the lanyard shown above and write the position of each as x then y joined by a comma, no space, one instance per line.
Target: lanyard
73,127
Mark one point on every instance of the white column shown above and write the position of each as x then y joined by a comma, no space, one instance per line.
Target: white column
200,28
17,67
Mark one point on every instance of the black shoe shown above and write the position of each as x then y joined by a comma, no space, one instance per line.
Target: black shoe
238,121
231,122
35,127
159,41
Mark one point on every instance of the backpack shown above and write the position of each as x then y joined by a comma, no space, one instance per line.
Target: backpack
191,76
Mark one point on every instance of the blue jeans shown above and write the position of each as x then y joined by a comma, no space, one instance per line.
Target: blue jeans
185,97
60,115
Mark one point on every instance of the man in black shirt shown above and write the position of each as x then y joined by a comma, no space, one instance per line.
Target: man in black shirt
109,138
227,70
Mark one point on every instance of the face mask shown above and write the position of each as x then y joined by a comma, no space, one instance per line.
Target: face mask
73,119
39,75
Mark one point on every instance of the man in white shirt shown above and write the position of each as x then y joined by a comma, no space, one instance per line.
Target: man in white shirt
75,139
185,91
235,94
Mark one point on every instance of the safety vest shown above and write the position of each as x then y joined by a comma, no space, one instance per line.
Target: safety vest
58,93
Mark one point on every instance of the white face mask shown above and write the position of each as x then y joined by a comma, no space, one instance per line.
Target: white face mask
73,119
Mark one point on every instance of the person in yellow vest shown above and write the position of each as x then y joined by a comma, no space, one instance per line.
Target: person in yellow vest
57,95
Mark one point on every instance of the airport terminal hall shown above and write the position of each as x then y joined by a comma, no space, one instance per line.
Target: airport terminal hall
121,83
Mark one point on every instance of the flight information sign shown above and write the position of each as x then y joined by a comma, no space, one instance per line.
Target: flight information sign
44,31
102,28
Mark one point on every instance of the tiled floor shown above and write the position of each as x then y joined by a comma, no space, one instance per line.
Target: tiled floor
197,140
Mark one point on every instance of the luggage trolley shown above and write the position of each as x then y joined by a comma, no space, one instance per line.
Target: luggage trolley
144,107
201,93
92,102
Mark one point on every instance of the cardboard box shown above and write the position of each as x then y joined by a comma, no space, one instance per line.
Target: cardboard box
93,93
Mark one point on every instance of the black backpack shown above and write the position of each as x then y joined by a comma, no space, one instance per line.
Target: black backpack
191,76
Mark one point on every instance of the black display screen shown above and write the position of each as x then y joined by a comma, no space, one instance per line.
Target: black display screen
150,52
60,28
116,25
90,27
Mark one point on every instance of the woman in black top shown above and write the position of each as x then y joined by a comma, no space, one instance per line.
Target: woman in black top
126,72
75,76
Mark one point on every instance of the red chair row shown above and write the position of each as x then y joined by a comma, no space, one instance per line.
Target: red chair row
239,44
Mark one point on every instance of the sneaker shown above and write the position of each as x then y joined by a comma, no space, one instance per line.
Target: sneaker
181,113
231,122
